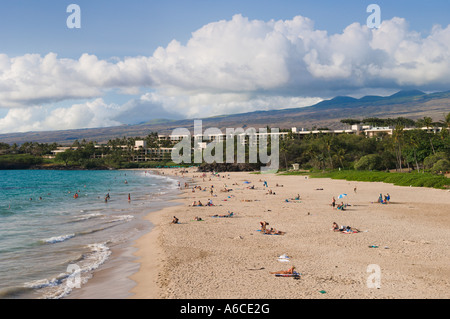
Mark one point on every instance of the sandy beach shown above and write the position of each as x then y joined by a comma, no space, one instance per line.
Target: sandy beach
401,249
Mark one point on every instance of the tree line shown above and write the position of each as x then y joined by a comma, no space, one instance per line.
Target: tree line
414,149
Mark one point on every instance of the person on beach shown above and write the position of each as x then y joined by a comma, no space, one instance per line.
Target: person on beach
263,226
341,206
273,231
225,216
284,272
335,227
174,220
345,229
129,197
333,202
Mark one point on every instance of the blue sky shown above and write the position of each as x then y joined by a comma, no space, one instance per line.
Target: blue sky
135,27
136,60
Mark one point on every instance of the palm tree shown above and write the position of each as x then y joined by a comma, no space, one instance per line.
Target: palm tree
414,143
428,122
284,150
340,155
328,143
398,140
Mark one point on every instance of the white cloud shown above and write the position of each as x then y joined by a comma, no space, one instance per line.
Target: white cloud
227,66
91,114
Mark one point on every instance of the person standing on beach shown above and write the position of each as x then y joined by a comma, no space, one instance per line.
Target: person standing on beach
129,197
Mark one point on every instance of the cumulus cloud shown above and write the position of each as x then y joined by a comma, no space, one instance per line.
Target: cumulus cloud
227,66
91,114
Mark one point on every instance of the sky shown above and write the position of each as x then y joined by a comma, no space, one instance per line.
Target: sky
134,61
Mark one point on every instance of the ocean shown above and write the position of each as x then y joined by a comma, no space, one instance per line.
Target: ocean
58,227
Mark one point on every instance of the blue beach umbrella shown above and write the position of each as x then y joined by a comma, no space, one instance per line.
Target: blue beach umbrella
342,196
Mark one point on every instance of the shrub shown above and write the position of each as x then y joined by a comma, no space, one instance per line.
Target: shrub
442,165
369,162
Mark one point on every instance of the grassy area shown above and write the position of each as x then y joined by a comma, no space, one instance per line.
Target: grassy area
399,179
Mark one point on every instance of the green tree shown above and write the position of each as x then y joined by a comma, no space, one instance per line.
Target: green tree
398,135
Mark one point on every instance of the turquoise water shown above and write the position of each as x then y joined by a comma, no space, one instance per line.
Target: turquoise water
50,220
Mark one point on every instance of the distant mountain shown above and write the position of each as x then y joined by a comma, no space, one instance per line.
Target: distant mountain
407,93
412,104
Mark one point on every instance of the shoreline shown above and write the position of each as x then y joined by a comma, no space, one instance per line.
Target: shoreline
112,280
149,257
149,253
222,258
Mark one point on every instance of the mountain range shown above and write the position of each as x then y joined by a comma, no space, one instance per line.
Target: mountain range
413,104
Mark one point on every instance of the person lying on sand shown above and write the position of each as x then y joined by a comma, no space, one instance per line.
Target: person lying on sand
348,229
225,216
284,272
273,231
198,218
344,229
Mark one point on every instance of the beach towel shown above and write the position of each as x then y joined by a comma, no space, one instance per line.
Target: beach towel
295,274
227,216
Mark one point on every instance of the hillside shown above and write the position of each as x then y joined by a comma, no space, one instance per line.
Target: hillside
410,104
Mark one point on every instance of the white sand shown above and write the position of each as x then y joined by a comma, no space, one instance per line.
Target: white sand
228,258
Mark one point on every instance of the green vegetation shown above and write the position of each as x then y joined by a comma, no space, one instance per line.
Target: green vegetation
413,149
399,179
19,161
425,154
